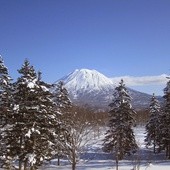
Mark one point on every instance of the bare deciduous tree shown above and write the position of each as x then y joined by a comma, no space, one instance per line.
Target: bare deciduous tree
79,130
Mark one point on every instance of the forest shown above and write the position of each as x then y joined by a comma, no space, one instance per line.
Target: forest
39,123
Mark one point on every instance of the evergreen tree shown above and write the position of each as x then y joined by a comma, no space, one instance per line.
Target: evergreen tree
165,122
5,94
47,121
61,98
120,136
152,126
63,103
24,98
6,107
35,119
63,106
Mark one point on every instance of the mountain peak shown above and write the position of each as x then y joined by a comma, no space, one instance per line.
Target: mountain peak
86,80
85,71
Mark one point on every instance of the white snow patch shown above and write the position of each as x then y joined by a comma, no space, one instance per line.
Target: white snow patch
31,85
28,134
31,158
44,88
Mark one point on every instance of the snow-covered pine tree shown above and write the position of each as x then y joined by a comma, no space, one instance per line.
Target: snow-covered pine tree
120,138
5,94
61,98
6,110
48,121
63,106
63,103
24,98
152,126
34,119
165,122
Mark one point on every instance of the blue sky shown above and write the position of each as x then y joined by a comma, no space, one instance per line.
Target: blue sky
115,37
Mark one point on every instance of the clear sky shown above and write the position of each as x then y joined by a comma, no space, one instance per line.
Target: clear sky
115,37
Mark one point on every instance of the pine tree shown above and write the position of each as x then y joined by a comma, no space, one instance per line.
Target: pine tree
5,93
6,107
152,126
63,106
47,121
24,96
165,122
35,119
120,136
61,98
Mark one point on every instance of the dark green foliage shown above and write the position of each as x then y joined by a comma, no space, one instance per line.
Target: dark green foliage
5,94
34,119
165,123
64,107
61,97
120,137
152,126
6,111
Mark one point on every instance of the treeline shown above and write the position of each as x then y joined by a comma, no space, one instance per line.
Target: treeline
120,137
38,124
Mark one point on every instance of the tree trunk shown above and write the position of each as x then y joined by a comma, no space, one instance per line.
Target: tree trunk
117,162
73,166
32,167
58,161
25,164
168,151
154,147
154,143
20,159
20,164
73,161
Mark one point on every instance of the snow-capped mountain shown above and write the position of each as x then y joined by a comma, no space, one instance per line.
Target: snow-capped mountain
93,89
87,80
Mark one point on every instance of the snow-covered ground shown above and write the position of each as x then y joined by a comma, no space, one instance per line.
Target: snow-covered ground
95,159
107,165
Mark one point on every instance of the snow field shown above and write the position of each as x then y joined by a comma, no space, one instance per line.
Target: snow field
95,159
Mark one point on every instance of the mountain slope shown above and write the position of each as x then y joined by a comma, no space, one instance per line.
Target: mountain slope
87,80
93,89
